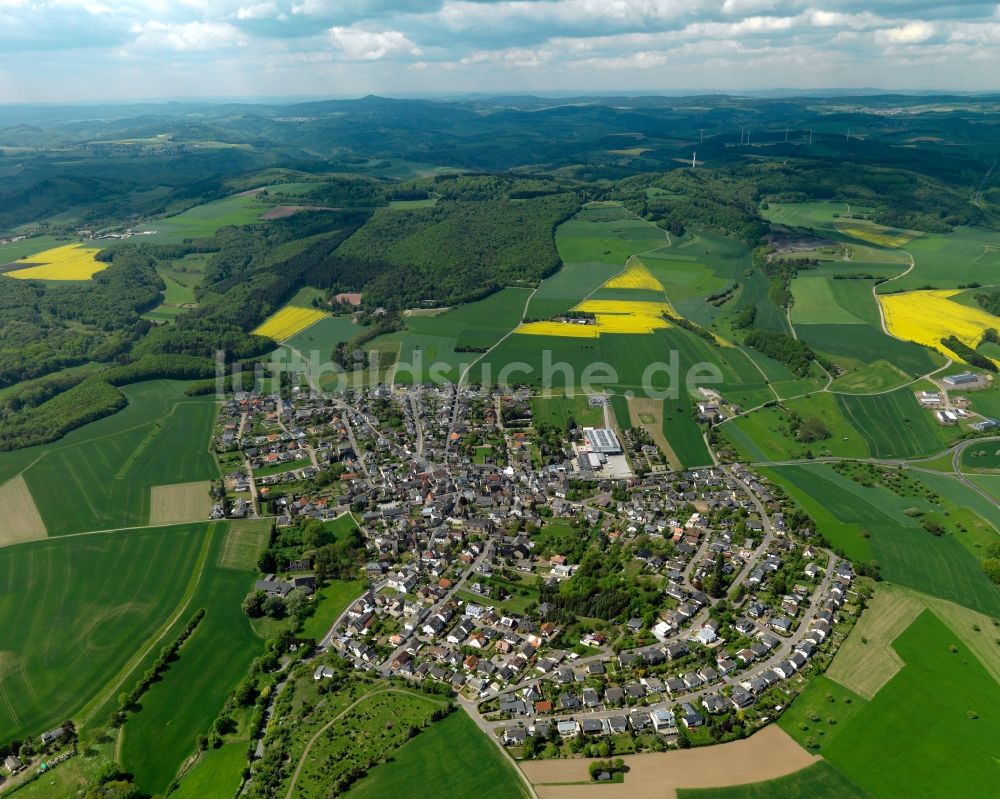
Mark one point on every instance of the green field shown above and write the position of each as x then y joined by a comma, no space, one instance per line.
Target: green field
983,455
894,425
183,705
820,781
19,249
968,255
594,247
76,609
557,411
990,483
684,435
431,344
331,602
218,775
816,304
869,523
203,220
439,762
99,476
944,684
872,377
766,434
840,318
181,276
324,335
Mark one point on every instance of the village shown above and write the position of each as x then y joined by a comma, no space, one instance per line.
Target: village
564,584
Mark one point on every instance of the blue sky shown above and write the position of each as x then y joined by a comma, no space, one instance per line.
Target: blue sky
57,50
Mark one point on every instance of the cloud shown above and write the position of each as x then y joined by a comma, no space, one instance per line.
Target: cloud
362,45
187,37
257,11
910,33
489,44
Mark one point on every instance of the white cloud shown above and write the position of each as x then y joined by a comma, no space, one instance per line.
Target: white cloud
362,45
257,11
189,36
910,33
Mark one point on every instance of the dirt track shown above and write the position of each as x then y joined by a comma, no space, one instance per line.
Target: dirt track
768,754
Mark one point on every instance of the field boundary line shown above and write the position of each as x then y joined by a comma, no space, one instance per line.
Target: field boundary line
86,713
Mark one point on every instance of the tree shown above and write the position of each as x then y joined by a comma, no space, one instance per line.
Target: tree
274,606
253,604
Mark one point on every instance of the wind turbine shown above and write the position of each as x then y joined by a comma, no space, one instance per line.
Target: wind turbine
848,136
694,159
702,132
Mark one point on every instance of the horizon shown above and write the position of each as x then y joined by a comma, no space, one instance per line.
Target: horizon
321,48
846,92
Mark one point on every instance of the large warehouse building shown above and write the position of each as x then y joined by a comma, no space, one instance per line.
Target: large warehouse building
602,440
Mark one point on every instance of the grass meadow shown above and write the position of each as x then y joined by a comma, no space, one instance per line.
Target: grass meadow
450,758
557,411
76,609
203,220
217,775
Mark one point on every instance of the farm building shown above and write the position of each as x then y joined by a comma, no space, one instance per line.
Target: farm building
963,379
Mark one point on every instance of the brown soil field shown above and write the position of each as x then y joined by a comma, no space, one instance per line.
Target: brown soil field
21,520
181,502
768,754
642,408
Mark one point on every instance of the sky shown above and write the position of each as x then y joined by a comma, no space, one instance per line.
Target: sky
66,50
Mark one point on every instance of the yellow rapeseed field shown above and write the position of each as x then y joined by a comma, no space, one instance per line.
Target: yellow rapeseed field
612,316
563,329
928,316
876,234
69,262
290,320
635,276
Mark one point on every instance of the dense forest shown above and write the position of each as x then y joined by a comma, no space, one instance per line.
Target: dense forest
459,250
49,326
